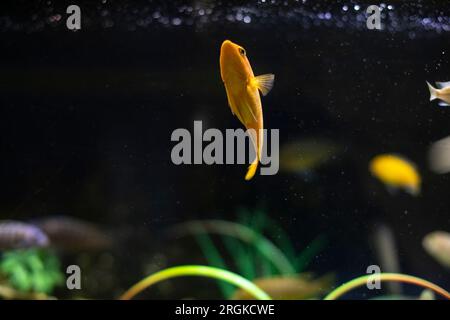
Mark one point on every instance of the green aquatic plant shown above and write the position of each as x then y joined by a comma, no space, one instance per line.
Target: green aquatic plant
32,270
263,246
261,222
199,271
361,281
249,244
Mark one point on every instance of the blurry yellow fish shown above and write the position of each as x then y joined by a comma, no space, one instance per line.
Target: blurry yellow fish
442,93
437,244
305,155
298,287
396,173
242,88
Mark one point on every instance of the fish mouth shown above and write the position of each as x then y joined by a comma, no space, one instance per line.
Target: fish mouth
227,47
227,43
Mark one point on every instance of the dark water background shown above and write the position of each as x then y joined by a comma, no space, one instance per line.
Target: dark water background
86,119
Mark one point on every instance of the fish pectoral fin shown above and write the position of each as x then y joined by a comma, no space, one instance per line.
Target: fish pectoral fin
233,106
264,83
230,101
442,85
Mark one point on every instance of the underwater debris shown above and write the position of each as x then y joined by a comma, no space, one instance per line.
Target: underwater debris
299,287
20,235
442,93
439,156
237,73
437,244
306,155
396,172
30,271
73,235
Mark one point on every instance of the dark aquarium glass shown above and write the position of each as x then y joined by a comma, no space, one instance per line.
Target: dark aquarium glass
92,199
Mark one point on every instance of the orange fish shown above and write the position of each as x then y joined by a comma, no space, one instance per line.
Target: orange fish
295,287
242,88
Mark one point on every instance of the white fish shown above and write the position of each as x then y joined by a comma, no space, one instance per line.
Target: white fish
437,244
20,235
442,92
439,156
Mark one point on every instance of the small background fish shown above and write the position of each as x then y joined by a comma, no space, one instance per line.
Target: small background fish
19,235
396,172
306,155
439,156
70,234
291,288
437,244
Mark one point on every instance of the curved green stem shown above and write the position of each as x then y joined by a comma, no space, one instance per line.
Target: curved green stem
245,234
195,270
360,281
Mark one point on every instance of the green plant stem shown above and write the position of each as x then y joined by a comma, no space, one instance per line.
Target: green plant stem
196,270
360,281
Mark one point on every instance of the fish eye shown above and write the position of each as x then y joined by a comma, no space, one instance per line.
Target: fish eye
242,51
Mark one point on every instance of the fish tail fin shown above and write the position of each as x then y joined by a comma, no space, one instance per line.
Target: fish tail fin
433,91
252,170
256,138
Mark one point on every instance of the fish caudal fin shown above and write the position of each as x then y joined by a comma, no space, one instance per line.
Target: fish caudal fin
442,85
433,91
252,170
264,83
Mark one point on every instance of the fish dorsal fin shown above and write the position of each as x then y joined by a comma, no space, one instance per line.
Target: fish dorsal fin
264,83
441,85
